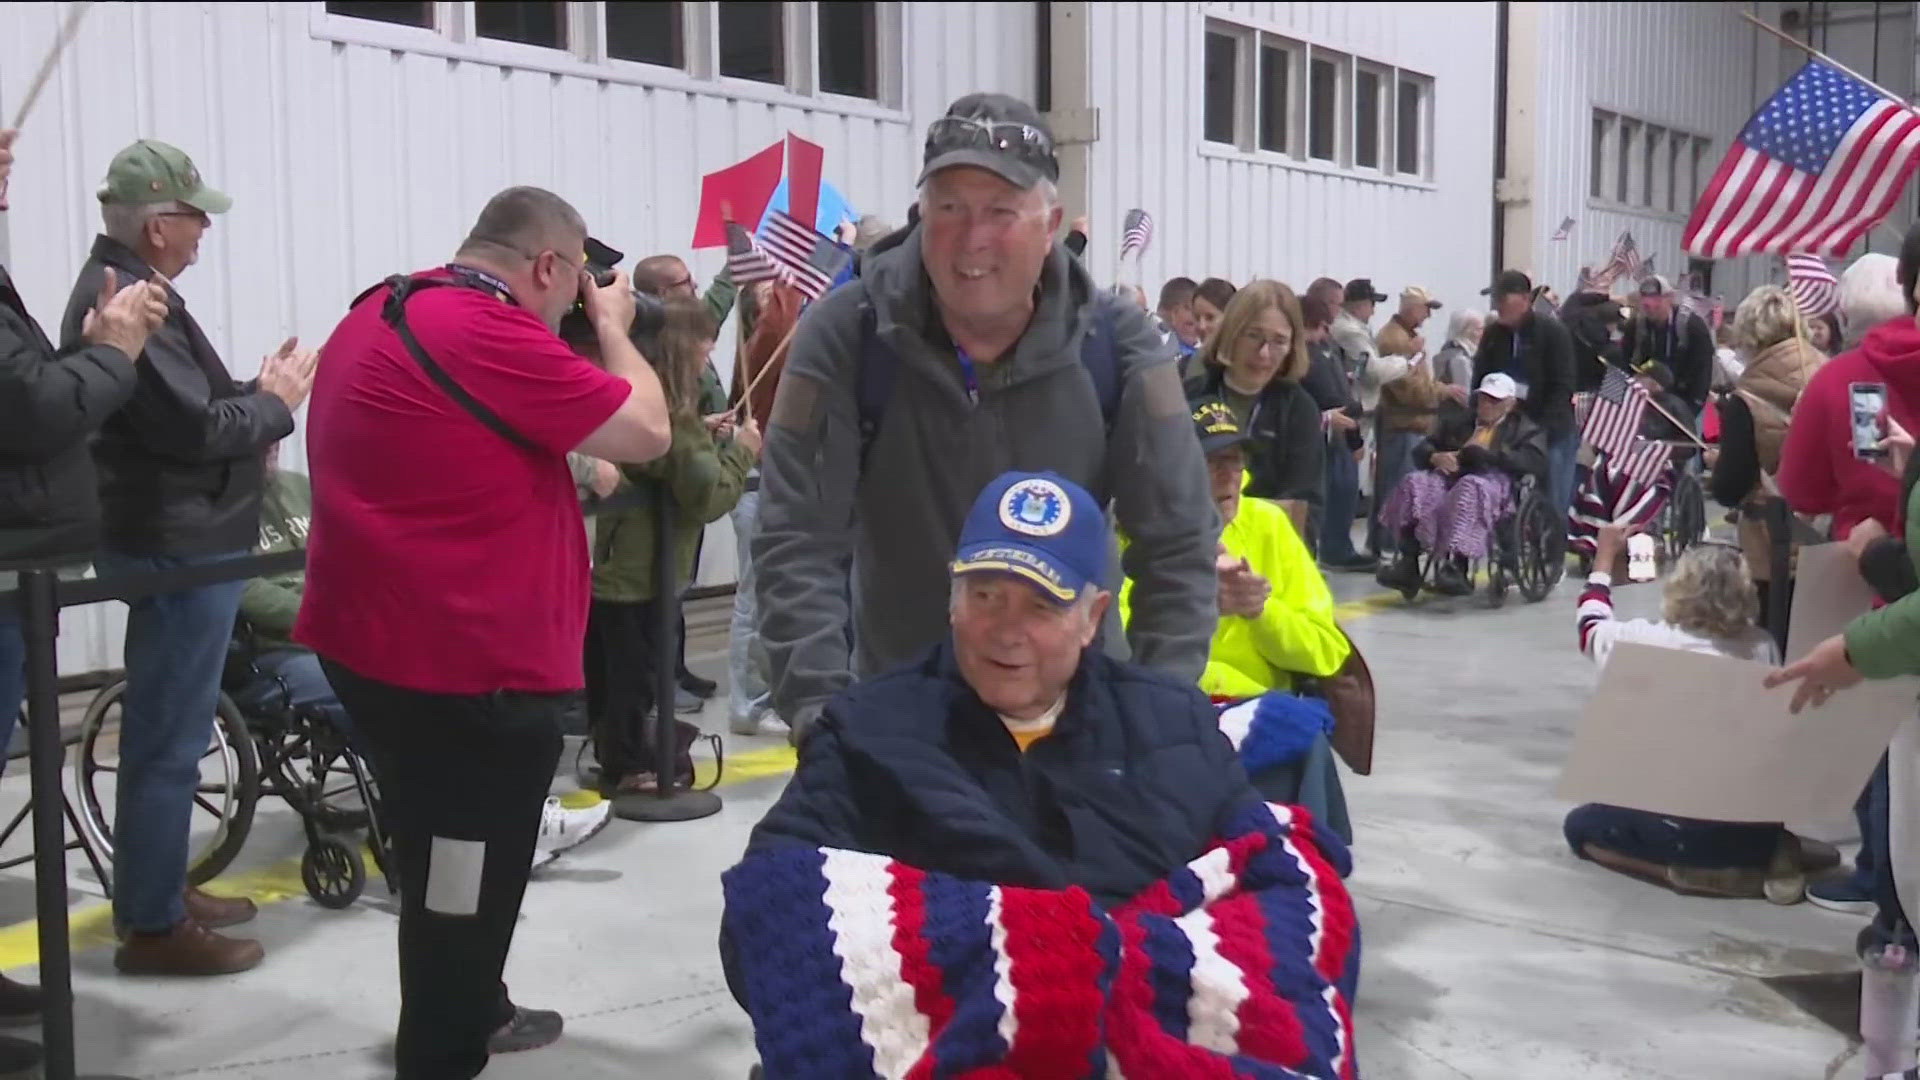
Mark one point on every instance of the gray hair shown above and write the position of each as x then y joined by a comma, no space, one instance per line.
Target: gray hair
1082,607
1464,320
125,222
526,219
1870,294
1049,196
1710,593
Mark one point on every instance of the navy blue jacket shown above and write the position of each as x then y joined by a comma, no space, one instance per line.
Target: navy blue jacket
1134,781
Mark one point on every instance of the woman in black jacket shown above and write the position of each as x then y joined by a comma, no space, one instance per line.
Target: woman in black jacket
1464,486
1254,361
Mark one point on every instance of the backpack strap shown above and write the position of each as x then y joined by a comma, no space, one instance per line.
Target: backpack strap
877,364
401,288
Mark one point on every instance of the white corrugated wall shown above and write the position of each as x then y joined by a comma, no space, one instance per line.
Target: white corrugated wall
1231,215
350,162
1685,66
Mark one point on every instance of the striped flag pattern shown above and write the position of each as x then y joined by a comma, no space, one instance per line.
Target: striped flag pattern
1243,962
1613,428
747,261
1812,284
1625,260
1818,165
1565,230
1136,233
810,260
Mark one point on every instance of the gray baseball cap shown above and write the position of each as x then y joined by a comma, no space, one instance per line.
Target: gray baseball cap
996,132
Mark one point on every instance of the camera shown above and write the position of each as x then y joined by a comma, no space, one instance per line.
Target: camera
649,315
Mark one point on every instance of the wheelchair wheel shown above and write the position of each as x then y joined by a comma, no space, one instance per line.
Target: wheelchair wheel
1686,517
311,770
223,801
1536,566
332,872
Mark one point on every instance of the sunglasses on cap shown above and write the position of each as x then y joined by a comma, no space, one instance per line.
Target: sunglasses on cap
1023,141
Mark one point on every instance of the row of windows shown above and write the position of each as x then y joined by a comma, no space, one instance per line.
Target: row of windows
753,39
1267,93
1639,164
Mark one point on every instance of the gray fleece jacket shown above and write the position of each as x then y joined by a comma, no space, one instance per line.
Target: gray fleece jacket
897,525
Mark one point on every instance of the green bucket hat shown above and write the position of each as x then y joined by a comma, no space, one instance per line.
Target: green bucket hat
151,171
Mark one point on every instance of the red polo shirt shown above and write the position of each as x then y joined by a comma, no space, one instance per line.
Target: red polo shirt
444,558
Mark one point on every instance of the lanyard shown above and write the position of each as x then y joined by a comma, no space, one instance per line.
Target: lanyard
968,375
474,278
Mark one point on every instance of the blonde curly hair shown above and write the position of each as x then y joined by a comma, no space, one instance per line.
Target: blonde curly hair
1768,316
1710,593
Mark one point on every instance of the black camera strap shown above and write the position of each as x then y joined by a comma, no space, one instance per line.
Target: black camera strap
400,288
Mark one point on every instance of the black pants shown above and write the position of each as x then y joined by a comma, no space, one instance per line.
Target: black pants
462,780
622,662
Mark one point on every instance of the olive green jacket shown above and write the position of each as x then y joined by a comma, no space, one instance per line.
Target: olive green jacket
704,479
1886,643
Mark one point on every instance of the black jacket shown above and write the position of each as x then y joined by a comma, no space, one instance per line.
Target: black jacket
1134,781
1590,319
1546,360
49,405
1287,457
1326,382
181,466
1519,446
1685,345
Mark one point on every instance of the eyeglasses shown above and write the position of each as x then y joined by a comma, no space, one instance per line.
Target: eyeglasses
1273,343
196,215
1023,141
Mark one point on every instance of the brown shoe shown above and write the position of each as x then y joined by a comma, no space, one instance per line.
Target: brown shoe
216,912
187,949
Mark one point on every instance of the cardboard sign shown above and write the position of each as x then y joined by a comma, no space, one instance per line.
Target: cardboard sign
1699,736
1828,593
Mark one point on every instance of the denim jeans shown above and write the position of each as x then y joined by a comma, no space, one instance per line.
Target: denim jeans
1343,495
1393,460
306,685
1563,453
747,696
176,648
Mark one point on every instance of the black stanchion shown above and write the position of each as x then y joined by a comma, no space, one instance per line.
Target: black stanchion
1779,526
39,626
669,802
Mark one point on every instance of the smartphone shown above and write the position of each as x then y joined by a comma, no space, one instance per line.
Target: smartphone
1868,404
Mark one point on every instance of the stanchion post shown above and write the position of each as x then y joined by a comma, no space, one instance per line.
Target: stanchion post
39,626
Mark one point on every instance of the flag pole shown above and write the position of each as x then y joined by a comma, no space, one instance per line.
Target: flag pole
1684,429
1823,57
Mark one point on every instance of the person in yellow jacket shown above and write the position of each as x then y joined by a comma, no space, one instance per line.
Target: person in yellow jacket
1276,612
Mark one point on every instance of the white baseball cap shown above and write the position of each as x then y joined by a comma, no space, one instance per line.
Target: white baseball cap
1499,386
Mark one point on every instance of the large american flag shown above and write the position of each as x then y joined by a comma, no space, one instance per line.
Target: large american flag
1812,285
1613,427
1821,162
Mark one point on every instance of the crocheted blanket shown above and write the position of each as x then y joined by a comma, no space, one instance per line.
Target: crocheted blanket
1273,729
1243,963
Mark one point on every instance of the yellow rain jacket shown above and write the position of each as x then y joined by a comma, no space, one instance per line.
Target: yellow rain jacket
1294,635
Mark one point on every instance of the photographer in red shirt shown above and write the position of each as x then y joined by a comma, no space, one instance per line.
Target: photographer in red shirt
447,583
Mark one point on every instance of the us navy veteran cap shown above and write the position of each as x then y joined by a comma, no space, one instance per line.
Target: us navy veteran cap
1039,526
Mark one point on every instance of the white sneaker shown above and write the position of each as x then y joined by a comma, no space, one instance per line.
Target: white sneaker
563,827
764,724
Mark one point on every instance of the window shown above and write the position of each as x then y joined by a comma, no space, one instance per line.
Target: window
1276,77
1323,104
1623,155
752,41
849,36
399,14
1702,170
1409,127
542,24
647,33
1368,101
1602,143
1222,78
1679,172
1652,194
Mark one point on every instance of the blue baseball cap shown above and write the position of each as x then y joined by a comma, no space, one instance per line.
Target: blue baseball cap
1039,526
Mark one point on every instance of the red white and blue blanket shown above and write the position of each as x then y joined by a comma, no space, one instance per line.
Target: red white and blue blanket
1242,963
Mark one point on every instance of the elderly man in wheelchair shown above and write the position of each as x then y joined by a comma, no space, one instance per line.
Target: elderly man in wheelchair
1021,856
1468,500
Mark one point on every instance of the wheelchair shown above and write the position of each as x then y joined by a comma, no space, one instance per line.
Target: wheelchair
1527,552
1682,522
261,744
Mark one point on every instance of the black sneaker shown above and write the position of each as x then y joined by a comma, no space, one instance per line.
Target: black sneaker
1451,580
530,1029
1401,575
697,686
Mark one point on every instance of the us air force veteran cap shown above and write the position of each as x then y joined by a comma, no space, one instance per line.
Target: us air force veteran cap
1038,526
151,171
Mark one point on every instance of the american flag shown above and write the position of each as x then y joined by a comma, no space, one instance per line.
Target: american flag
1565,230
1136,233
811,261
747,261
1613,428
1625,259
1821,162
1812,285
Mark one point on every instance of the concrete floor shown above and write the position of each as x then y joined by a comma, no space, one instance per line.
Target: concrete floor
1491,953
